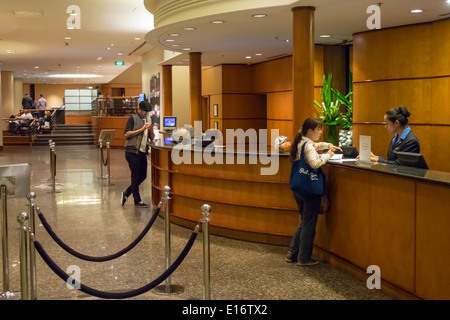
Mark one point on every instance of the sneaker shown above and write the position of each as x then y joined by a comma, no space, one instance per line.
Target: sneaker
290,257
309,263
141,205
123,199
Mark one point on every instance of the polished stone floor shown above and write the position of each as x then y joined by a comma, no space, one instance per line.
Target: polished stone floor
86,214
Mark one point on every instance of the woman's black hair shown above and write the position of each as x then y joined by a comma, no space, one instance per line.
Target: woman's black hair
401,114
310,123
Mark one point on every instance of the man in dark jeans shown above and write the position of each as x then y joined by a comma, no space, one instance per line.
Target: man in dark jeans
139,133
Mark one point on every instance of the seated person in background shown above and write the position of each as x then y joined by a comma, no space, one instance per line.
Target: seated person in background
23,120
404,140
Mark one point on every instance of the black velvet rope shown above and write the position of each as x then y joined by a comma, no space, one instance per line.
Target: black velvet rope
97,259
103,161
116,295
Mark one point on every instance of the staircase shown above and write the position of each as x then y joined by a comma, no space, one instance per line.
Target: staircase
67,134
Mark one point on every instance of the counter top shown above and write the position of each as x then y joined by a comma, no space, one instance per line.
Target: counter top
404,171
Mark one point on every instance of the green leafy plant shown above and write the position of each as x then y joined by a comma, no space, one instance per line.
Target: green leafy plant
346,119
329,108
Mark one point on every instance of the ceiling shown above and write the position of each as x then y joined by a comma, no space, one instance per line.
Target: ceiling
34,33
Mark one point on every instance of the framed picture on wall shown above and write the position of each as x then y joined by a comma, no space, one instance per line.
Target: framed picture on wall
215,110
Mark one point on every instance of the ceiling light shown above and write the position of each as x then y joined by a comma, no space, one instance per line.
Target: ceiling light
217,21
248,57
74,76
417,11
169,40
36,67
70,28
120,53
174,34
325,36
68,38
258,54
187,49
174,45
259,15
99,58
189,28
137,38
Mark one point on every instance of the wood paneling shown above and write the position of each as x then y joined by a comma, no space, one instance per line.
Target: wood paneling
394,53
246,106
433,238
373,99
439,143
280,106
440,100
440,44
78,120
285,127
116,123
273,76
237,78
212,80
390,248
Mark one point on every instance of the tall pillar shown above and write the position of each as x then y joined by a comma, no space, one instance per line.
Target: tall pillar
167,90
303,65
1,113
195,78
7,99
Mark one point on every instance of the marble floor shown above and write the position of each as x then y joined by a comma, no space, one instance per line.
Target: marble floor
86,214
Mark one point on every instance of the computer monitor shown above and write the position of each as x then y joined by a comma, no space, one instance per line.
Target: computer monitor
169,123
141,97
411,159
348,152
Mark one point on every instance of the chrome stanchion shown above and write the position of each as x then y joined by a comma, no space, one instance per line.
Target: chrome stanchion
206,261
168,288
6,294
53,168
108,163
101,158
22,219
32,253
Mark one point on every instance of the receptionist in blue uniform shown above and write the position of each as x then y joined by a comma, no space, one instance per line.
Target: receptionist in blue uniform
404,140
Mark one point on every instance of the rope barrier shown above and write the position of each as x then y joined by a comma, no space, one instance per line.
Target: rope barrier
117,295
96,259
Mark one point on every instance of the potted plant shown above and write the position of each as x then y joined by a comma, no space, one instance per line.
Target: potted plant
346,119
329,109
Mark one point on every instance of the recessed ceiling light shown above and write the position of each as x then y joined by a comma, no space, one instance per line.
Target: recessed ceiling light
217,21
259,15
187,49
68,38
74,76
120,53
169,40
325,36
70,28
258,54
174,34
36,67
99,58
137,38
189,28
174,45
248,57
417,11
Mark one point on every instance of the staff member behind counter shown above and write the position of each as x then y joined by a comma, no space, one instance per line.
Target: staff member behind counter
404,140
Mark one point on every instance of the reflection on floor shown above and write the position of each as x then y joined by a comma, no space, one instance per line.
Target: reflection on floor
87,216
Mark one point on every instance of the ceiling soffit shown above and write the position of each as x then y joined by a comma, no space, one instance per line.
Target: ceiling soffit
167,12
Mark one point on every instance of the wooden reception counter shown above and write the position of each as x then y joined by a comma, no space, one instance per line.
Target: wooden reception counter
394,217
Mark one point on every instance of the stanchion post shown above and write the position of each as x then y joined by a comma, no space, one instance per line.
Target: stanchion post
206,260
5,250
32,252
108,163
101,158
6,294
168,288
22,219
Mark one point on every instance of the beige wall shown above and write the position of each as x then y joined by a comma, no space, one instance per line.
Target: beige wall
132,75
180,83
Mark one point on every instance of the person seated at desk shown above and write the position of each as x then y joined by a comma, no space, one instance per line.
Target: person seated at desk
404,140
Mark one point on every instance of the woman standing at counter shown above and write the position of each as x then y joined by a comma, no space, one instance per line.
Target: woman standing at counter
302,242
404,140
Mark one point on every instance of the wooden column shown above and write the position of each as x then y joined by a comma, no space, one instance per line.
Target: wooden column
303,65
195,77
167,90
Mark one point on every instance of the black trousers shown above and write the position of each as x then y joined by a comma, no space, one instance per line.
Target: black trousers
138,166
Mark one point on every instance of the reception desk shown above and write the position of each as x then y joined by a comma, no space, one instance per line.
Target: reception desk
394,217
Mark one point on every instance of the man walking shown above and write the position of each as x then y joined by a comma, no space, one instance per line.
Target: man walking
139,133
